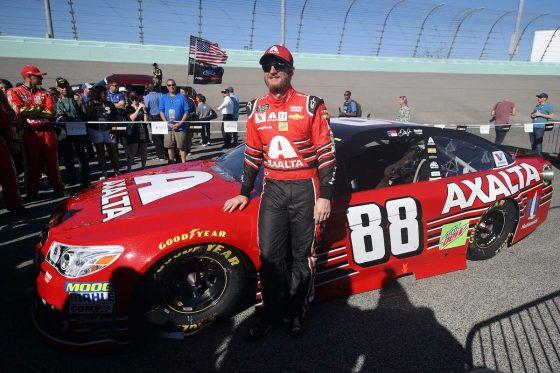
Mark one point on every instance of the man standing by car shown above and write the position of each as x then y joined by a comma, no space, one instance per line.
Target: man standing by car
235,114
174,109
289,131
500,113
541,114
35,109
117,98
226,108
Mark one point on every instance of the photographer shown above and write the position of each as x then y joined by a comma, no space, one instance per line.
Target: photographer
137,133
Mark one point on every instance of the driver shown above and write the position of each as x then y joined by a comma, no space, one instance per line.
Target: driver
404,170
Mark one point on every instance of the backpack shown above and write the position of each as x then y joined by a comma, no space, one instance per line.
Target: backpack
358,109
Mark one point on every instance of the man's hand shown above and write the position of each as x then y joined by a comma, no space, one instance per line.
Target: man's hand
236,202
322,210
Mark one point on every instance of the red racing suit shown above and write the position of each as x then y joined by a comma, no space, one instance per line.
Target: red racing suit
292,138
36,109
8,174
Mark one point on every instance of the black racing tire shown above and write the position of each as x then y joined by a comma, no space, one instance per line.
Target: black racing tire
491,232
188,288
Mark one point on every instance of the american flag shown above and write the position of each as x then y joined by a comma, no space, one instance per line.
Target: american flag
206,51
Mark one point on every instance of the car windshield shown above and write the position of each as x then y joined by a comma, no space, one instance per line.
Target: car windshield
231,164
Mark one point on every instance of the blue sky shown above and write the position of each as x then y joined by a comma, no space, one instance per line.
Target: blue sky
230,23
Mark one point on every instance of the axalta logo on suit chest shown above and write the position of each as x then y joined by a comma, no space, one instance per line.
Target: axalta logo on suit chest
489,188
281,154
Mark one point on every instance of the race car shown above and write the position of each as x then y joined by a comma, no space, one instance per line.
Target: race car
156,247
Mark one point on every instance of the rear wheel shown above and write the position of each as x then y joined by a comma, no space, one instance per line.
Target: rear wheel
190,287
492,230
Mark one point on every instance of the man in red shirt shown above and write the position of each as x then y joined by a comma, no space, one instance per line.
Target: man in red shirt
501,112
35,109
288,132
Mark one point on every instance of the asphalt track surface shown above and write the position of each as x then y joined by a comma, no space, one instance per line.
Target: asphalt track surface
503,313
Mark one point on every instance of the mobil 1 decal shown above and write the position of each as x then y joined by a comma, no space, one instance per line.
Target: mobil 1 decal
377,232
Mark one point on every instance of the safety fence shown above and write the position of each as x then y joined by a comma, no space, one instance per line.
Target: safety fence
551,137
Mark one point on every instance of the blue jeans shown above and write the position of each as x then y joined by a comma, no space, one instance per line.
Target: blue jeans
536,138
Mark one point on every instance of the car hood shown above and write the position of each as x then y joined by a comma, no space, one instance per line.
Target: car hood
173,192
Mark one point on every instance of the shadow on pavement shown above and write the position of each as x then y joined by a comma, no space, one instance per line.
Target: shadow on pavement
526,338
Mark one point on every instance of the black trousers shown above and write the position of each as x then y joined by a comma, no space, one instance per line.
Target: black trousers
287,241
161,153
72,146
227,136
205,132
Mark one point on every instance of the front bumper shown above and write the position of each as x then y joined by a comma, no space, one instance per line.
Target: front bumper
79,330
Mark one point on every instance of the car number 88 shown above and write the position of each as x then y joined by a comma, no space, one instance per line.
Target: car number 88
372,243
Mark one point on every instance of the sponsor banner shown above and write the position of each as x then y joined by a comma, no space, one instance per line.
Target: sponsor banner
207,74
76,128
230,126
159,128
454,234
90,297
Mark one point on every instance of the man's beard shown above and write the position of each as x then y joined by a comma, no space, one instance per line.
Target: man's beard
280,87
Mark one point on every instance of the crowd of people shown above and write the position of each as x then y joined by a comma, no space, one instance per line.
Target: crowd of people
39,126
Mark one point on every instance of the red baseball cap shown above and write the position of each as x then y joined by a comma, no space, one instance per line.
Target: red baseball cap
278,51
31,70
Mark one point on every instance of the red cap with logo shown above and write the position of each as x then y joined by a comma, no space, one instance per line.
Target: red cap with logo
278,51
31,70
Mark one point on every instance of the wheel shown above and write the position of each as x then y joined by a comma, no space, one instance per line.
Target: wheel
492,230
189,288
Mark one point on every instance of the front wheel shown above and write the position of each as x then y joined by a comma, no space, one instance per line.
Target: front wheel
190,287
492,230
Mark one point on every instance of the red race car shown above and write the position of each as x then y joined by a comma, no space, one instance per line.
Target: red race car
156,244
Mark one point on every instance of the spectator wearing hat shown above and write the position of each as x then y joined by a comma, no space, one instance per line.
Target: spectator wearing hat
174,109
235,113
68,110
541,114
36,110
226,109
157,75
298,156
86,92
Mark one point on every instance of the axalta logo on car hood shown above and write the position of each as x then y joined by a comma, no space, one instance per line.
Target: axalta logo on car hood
115,197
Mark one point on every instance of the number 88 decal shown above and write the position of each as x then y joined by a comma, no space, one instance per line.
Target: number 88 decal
372,243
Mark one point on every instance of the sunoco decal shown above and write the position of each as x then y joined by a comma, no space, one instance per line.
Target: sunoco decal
454,234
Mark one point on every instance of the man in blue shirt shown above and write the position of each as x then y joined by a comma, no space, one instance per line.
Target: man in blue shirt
151,101
541,114
117,98
235,114
174,109
349,108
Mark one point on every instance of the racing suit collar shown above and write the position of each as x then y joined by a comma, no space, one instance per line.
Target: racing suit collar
277,102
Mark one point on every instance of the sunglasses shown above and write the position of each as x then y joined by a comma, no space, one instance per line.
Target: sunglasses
171,85
278,66
135,98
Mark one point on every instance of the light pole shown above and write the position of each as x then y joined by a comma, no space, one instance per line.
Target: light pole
515,35
50,32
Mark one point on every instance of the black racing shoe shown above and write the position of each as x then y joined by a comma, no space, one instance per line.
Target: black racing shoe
296,327
257,331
